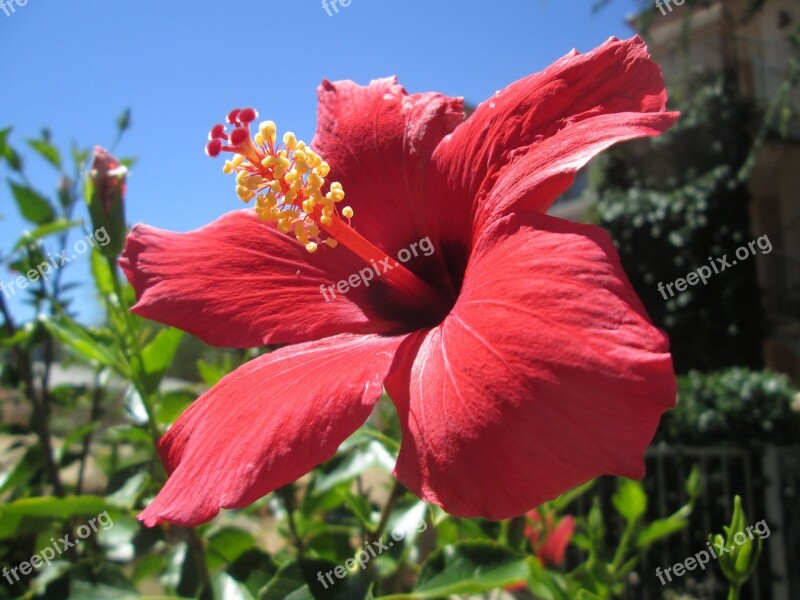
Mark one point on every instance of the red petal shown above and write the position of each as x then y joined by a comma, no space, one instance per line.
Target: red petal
534,180
617,78
378,140
547,373
268,423
552,551
237,282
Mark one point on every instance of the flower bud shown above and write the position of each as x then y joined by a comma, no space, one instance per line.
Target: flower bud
739,559
105,195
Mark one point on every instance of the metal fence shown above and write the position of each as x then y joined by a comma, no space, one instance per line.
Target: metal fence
768,481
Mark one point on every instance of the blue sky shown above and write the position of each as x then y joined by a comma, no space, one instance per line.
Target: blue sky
180,66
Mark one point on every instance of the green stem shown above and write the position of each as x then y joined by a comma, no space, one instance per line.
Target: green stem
40,417
735,591
386,513
622,549
130,328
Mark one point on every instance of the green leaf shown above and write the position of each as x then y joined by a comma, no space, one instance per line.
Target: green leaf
211,373
306,580
227,544
30,462
630,500
470,568
34,207
7,152
359,506
47,151
103,277
100,583
124,121
288,584
12,513
4,133
355,461
660,529
172,404
158,356
81,340
127,484
56,226
254,568
228,588
694,485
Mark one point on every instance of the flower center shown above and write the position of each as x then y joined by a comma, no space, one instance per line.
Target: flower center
287,181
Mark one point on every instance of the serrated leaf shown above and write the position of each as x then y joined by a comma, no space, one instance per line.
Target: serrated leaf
34,207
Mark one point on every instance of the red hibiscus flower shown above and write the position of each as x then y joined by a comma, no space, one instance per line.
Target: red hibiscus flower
548,538
518,356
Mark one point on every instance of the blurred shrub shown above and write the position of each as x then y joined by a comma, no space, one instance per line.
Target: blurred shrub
672,204
733,407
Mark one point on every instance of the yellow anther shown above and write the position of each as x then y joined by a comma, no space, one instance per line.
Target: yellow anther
290,140
255,182
267,129
245,194
286,184
314,181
